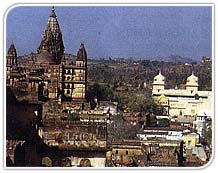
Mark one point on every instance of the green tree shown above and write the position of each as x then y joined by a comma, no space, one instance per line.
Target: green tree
208,135
102,92
137,103
164,122
141,103
74,116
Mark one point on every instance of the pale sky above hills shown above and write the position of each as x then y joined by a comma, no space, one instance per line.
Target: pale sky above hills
117,31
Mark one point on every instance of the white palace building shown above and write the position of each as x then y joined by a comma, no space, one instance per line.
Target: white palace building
183,103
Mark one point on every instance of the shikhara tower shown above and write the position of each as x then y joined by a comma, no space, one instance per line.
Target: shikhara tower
52,41
12,56
48,72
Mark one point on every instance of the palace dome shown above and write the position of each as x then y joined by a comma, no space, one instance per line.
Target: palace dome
192,79
159,79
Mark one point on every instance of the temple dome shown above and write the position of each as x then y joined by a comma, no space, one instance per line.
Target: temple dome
159,79
192,80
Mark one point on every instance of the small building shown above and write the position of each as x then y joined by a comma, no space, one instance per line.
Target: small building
164,133
122,153
191,140
200,123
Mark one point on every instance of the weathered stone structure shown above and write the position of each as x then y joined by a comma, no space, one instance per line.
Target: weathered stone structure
49,122
40,90
12,56
49,75
52,43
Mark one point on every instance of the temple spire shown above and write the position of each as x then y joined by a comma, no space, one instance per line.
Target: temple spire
159,71
53,22
53,12
12,55
81,54
52,41
12,50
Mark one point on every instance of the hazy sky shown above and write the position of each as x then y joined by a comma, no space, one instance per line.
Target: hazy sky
117,31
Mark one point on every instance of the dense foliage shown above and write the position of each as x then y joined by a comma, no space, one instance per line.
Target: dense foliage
126,73
126,80
164,122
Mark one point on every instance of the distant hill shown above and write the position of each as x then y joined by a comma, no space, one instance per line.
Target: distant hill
175,59
170,58
71,58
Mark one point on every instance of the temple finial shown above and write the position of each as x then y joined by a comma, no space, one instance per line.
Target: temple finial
53,12
82,45
159,71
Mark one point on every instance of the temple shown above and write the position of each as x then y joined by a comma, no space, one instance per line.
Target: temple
48,75
53,121
46,92
52,43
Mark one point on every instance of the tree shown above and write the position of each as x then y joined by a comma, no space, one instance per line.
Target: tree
142,103
101,92
137,103
163,122
208,135
74,117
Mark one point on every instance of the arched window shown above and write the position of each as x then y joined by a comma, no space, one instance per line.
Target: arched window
85,163
68,91
68,78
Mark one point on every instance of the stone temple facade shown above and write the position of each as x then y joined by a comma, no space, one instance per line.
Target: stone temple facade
42,90
52,41
48,75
